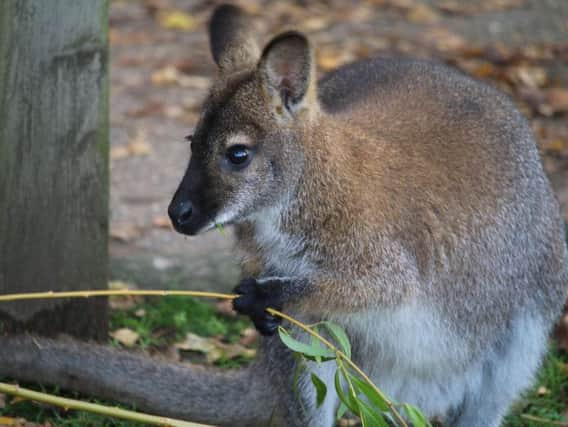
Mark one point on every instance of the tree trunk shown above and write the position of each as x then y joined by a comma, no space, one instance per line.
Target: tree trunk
54,162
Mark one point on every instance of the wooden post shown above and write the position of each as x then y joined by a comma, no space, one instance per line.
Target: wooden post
54,162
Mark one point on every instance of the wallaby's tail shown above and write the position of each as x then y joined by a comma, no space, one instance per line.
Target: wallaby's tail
241,397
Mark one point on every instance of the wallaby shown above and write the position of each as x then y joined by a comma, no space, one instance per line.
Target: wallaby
398,198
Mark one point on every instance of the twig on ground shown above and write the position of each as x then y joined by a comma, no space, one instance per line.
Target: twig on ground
109,411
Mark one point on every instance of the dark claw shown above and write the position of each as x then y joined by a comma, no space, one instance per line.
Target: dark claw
253,301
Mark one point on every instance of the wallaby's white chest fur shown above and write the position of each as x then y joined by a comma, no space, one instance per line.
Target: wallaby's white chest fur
282,253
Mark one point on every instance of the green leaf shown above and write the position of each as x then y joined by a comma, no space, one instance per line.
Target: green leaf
341,411
369,417
314,342
303,348
321,389
370,393
347,399
340,337
416,417
220,228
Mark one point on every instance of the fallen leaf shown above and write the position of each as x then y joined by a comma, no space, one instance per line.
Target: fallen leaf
558,147
170,75
328,58
315,24
529,76
176,20
162,221
213,348
499,54
125,232
151,107
249,336
166,75
542,391
484,70
125,336
123,302
225,307
558,99
348,422
445,40
137,147
173,111
422,14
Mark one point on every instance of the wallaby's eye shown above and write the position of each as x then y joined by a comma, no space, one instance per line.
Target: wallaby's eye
238,155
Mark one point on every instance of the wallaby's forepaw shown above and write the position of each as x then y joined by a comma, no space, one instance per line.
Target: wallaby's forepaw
255,297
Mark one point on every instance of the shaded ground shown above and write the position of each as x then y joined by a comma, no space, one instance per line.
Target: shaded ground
161,68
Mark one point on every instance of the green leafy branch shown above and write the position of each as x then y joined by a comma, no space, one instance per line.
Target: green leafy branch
356,392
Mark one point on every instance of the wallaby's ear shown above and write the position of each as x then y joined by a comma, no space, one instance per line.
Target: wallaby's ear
287,72
231,36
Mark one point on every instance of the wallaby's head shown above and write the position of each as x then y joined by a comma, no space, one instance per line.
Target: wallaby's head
246,148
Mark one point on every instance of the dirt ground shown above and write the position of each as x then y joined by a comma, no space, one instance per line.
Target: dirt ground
161,68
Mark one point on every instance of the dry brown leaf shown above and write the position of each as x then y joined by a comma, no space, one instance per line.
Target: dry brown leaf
137,147
445,40
528,76
213,348
422,14
459,7
557,147
329,59
315,24
558,99
176,20
484,70
125,336
162,221
499,54
123,302
151,107
542,391
348,422
249,336
225,307
173,111
124,232
170,75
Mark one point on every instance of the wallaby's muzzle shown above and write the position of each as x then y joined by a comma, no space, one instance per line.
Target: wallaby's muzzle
185,211
180,214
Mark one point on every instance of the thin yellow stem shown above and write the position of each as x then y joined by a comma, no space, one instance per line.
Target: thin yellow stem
66,403
111,292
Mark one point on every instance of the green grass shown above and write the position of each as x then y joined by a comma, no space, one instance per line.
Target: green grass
167,320
548,399
172,317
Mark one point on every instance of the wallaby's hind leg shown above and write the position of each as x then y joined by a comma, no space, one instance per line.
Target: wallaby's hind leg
508,369
296,405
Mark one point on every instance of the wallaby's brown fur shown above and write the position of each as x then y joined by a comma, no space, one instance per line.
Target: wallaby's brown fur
396,197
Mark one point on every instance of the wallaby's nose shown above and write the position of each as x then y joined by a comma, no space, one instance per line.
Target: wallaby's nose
180,213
